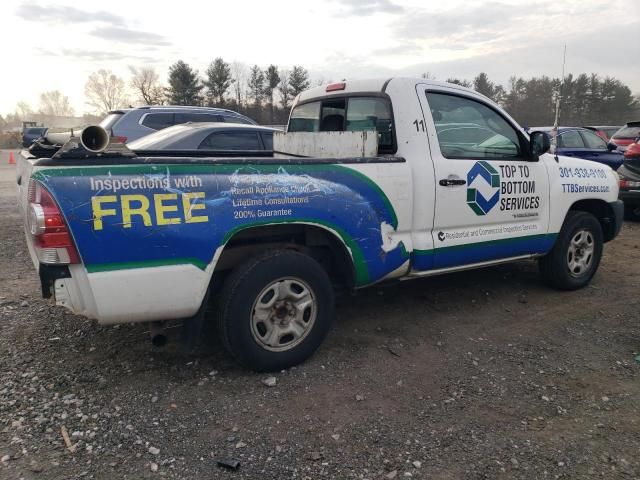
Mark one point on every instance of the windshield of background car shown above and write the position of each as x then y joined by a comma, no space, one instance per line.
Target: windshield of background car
628,132
162,139
110,120
469,129
362,114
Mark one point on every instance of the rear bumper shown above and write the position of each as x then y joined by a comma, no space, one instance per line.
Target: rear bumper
630,197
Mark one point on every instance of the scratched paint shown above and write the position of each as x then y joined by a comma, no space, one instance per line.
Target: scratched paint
139,216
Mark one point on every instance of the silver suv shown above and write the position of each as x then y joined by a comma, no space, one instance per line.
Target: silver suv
129,124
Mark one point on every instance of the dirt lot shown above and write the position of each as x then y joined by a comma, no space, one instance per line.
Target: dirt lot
485,374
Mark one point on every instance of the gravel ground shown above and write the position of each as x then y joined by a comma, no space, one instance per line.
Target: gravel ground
484,374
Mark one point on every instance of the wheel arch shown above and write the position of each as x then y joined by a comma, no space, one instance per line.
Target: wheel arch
602,211
321,242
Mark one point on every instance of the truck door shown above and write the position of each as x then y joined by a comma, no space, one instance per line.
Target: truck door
492,200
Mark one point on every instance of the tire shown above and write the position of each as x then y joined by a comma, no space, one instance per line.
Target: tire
575,257
275,310
631,213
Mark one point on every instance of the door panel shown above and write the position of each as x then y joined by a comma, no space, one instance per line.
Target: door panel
491,202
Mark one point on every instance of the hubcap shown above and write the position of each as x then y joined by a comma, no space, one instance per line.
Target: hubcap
580,253
283,314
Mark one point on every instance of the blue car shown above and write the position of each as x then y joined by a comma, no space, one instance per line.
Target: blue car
584,143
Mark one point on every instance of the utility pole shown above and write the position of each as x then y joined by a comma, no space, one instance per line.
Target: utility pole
558,99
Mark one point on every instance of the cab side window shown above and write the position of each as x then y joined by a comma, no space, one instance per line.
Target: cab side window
570,139
469,129
593,141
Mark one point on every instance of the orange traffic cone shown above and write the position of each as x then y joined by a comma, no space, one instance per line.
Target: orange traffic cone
12,161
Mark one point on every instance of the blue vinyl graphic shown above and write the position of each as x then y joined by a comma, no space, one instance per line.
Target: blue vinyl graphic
134,216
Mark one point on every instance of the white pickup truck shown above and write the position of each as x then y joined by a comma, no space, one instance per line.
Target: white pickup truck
455,184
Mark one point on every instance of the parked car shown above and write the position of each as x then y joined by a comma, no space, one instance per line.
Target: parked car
223,137
604,131
626,135
129,124
629,174
31,134
582,143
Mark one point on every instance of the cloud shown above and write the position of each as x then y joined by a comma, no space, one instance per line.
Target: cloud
31,11
369,7
127,35
96,55
464,26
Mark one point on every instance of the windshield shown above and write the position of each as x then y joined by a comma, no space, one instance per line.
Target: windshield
628,132
162,138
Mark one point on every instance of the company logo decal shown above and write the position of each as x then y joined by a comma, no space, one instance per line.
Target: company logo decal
483,188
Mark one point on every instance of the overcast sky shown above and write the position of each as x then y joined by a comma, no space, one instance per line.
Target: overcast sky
56,45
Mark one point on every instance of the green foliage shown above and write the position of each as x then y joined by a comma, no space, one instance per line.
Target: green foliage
256,85
272,78
184,85
298,81
463,83
218,81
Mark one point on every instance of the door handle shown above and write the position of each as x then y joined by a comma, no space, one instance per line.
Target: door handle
452,182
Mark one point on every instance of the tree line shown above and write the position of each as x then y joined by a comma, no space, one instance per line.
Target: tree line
584,99
265,94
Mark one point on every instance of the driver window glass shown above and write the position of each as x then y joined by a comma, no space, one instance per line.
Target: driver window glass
591,140
471,130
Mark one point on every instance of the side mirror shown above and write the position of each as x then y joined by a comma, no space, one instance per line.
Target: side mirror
611,146
539,143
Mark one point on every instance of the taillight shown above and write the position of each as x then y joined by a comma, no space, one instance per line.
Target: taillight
629,184
633,150
119,139
332,87
51,238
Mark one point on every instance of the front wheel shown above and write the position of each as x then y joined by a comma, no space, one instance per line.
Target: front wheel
275,310
575,257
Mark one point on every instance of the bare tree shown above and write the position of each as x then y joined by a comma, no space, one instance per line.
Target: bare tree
283,88
55,103
23,110
146,82
105,91
239,72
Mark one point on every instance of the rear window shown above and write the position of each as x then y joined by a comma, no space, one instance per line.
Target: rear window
267,139
231,141
628,132
240,120
351,114
158,121
34,130
196,118
110,120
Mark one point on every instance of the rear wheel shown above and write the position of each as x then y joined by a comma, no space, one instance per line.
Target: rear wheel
275,310
575,257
